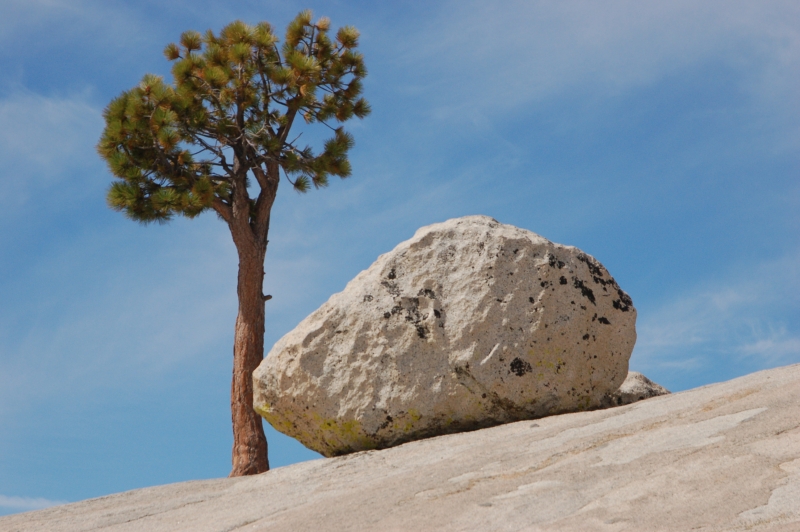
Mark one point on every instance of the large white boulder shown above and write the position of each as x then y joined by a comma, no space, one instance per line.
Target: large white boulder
469,324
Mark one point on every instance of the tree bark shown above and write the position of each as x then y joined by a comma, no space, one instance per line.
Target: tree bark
249,225
249,443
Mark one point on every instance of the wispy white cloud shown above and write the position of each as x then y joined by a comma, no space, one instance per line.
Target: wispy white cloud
482,58
122,29
46,132
25,504
43,140
773,345
748,313
34,22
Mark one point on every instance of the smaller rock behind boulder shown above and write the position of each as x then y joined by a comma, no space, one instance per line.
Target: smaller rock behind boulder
636,387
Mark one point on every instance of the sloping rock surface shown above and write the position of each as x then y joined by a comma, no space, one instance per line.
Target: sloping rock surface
470,323
725,457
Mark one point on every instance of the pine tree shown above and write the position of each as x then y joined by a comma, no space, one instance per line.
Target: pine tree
197,144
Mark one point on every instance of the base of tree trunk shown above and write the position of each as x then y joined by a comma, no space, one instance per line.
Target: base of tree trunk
250,458
249,443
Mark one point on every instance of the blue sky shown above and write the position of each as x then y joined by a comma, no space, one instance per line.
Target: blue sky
661,137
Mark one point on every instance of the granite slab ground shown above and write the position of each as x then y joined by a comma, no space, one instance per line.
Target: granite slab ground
721,457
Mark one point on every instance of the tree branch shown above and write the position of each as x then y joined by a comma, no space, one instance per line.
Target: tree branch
265,200
222,209
284,130
261,177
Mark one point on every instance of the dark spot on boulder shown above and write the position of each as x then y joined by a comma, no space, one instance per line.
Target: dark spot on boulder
427,292
530,299
585,290
562,280
624,300
387,315
392,274
555,263
619,305
367,298
422,331
604,321
594,267
519,367
391,288
483,396
386,423
586,336
543,284
437,313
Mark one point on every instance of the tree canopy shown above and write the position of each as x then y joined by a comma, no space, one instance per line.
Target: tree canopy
177,147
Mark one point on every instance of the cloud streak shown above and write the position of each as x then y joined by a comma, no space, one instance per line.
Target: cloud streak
750,315
25,504
492,59
43,140
35,21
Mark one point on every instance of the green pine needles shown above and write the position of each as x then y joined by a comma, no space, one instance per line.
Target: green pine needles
181,148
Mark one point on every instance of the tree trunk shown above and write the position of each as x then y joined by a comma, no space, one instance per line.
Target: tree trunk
249,442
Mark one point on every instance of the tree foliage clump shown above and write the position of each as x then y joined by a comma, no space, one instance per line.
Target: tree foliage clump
177,148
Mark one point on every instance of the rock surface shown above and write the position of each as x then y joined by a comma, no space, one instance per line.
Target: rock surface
725,457
636,387
469,324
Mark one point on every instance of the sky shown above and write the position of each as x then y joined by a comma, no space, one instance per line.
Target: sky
663,138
